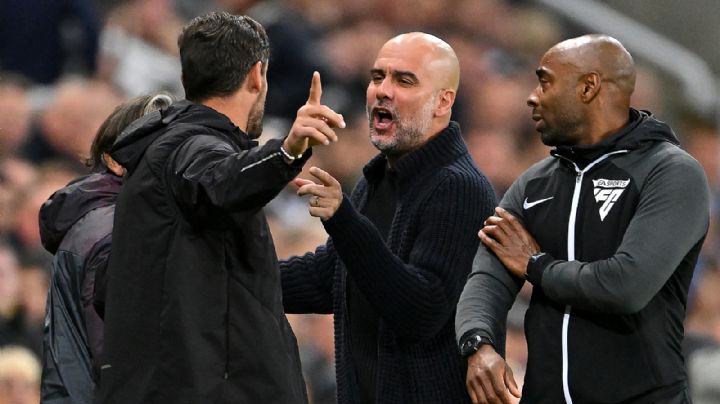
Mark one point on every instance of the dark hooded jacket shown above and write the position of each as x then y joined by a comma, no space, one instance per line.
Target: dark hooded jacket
76,226
622,223
194,309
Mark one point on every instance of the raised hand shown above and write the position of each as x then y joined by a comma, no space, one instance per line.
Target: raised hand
314,123
325,198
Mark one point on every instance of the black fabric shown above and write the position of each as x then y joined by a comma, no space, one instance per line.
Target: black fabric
194,311
363,318
76,225
412,279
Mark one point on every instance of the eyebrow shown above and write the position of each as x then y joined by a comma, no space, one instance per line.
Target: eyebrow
541,72
396,73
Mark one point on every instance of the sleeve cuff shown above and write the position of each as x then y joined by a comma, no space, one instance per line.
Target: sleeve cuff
536,269
344,211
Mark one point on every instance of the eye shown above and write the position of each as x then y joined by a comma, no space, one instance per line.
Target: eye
376,78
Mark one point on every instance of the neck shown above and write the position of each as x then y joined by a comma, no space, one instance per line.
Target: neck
235,107
606,125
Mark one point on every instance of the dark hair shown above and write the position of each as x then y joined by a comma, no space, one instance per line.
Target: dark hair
123,115
217,51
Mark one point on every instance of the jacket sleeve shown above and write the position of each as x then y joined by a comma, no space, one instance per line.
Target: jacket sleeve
93,294
206,170
416,299
490,290
671,220
307,281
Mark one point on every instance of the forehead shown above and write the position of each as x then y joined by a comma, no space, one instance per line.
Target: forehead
407,56
554,63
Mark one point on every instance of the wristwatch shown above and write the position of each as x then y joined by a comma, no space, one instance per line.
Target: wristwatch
472,344
533,259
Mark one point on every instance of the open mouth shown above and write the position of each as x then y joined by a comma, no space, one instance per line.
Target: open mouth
382,118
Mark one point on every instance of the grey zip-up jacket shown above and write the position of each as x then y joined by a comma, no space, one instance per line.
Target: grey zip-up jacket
622,223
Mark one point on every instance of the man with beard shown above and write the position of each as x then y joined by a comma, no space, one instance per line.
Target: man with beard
396,260
607,230
193,311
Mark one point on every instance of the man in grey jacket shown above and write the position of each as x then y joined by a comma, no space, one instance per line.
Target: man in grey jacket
607,230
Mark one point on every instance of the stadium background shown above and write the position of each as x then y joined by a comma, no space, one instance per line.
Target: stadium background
65,64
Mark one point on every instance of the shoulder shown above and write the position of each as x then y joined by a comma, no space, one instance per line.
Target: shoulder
669,161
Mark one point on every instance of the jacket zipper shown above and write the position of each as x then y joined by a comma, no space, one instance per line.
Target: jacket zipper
571,257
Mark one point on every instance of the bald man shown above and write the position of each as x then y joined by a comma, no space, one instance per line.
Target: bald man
401,246
607,230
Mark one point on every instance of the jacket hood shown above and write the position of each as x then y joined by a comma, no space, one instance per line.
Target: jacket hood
131,144
67,205
641,130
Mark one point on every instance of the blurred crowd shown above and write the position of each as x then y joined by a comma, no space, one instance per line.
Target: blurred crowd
65,64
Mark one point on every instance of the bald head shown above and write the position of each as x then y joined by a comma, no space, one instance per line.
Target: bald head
438,55
602,54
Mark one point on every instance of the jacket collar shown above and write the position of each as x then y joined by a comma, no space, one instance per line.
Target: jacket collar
131,144
642,128
448,145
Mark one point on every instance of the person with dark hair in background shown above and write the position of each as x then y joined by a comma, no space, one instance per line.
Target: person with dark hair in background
607,230
402,245
194,309
76,226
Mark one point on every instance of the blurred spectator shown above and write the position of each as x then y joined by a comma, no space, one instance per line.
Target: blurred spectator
14,327
138,49
15,176
44,39
68,124
15,113
24,233
702,337
19,376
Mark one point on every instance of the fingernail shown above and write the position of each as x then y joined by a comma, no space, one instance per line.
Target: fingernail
342,124
327,142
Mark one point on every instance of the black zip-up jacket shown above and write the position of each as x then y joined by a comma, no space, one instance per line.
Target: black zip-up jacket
76,226
194,308
412,279
622,223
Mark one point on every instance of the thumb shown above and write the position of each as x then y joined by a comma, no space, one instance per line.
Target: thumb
299,182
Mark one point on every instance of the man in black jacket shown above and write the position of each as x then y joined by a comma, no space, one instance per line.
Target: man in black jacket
607,231
76,226
194,311
397,257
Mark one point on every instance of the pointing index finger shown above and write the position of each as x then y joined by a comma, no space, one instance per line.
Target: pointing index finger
315,90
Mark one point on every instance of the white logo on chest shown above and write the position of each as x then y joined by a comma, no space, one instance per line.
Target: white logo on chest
608,192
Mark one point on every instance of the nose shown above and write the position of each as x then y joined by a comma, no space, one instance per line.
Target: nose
384,89
532,100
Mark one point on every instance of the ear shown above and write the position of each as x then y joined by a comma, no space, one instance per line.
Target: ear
255,78
446,99
589,86
113,165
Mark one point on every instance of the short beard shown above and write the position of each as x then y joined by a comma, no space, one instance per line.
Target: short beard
255,119
409,131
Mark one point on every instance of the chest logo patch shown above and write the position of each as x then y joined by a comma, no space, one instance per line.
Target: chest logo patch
608,192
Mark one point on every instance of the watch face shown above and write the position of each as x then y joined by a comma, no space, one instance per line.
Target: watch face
470,346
